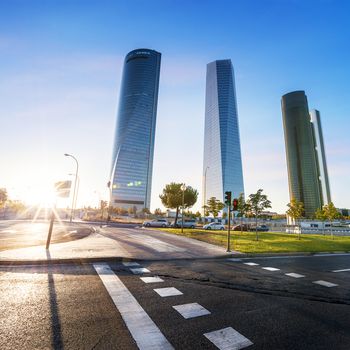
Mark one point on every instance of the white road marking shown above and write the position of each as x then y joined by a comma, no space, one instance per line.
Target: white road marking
167,292
191,310
270,268
325,283
343,270
330,254
295,275
145,332
228,339
251,264
234,259
139,270
131,263
151,279
154,243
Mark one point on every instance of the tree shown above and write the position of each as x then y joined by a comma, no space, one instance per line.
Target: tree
243,208
258,202
295,211
3,196
172,197
331,213
158,212
214,206
321,215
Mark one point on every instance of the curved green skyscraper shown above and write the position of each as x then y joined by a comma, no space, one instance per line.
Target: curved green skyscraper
303,174
132,161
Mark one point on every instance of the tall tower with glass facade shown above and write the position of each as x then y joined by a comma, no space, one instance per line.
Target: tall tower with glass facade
303,173
222,166
315,118
132,160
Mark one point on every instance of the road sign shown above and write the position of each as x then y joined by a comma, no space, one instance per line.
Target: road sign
62,188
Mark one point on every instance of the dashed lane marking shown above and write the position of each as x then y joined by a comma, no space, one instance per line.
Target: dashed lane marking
191,310
295,275
325,283
343,270
270,268
145,332
251,264
228,339
131,263
167,292
139,270
151,279
234,259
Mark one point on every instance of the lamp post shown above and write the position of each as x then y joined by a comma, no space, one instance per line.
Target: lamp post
76,193
205,190
75,184
183,188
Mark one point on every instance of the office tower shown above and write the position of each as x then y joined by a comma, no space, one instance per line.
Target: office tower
132,160
300,152
320,156
222,166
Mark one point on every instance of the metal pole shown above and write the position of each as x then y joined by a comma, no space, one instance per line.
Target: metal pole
205,191
50,230
75,185
229,229
182,216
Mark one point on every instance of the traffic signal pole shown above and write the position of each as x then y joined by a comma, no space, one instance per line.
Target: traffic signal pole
229,228
228,195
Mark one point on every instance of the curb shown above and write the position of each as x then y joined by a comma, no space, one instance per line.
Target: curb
123,259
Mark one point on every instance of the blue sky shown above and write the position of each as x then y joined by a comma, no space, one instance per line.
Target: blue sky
61,64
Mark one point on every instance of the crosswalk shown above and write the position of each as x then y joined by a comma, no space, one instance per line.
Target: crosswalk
295,275
144,331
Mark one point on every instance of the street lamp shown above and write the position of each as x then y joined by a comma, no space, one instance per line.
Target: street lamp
76,193
183,189
75,184
205,190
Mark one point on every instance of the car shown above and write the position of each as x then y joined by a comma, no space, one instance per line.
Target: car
214,226
186,224
245,227
260,228
156,223
263,228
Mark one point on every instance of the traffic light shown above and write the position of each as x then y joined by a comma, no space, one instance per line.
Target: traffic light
235,204
228,198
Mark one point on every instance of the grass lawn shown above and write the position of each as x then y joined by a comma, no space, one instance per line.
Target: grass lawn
269,242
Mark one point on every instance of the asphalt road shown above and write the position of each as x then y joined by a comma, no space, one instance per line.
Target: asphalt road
20,233
108,306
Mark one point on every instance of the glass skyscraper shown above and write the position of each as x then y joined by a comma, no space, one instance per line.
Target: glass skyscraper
303,173
222,166
320,156
132,160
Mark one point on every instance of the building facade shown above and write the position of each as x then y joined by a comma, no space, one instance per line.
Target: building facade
315,119
132,159
303,175
222,166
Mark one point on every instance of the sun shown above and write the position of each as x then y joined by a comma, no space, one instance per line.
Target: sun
43,196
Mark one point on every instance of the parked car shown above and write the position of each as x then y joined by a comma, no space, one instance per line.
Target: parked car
156,223
214,226
188,223
245,227
260,228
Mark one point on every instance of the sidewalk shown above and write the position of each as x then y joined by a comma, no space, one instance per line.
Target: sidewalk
129,244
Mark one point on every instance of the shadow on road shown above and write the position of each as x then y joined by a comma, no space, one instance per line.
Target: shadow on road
56,334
